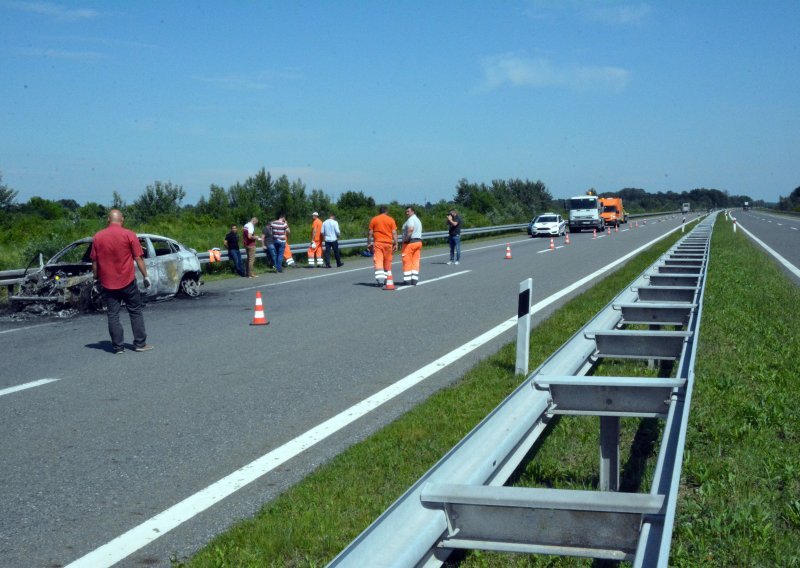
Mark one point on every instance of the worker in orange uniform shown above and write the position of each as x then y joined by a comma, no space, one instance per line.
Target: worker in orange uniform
382,240
412,247
315,248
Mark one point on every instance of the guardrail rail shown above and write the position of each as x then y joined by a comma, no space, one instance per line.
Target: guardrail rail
462,502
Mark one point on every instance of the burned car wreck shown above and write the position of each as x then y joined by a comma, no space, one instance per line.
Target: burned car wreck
66,280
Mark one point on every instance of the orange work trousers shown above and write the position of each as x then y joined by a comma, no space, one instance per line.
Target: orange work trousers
382,260
410,254
315,253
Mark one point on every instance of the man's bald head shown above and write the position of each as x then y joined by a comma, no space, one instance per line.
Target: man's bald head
115,216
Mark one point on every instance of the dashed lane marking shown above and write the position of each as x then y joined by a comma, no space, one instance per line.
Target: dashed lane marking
40,382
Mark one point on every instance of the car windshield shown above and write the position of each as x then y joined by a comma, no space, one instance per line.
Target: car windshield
547,219
610,209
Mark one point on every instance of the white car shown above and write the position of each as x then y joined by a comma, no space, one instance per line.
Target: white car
548,225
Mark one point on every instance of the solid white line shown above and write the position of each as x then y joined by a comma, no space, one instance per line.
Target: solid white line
423,282
30,385
791,267
26,327
147,532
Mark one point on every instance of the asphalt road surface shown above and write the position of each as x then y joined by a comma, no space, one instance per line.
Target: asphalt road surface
780,233
104,444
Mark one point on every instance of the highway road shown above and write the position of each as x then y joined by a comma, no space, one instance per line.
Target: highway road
135,458
780,235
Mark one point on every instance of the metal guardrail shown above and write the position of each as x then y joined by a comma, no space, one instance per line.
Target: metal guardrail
461,502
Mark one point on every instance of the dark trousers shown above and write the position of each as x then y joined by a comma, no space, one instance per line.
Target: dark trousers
236,256
133,303
327,254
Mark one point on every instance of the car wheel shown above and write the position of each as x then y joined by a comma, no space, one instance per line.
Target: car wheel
190,285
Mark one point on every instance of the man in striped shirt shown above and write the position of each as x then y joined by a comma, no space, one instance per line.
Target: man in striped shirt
280,232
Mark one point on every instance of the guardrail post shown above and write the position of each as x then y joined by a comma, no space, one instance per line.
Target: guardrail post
609,453
523,326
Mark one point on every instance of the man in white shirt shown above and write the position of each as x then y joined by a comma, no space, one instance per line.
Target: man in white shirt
412,247
331,232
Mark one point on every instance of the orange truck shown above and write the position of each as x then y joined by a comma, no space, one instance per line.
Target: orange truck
612,211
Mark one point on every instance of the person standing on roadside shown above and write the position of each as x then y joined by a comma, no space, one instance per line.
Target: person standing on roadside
280,232
382,240
234,254
268,242
114,252
250,245
454,236
331,233
412,247
315,248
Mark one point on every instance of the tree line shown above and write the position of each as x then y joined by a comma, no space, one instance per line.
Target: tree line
161,209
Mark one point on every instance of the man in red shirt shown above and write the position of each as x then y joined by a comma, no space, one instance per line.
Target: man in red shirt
114,251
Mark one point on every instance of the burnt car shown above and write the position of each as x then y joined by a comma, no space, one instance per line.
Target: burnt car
66,280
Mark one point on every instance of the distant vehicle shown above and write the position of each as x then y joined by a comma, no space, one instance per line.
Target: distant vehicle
66,280
686,208
585,213
613,211
547,224
746,206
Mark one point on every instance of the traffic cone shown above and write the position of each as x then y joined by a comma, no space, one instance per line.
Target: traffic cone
636,225
258,317
552,244
616,228
389,282
594,233
508,252
566,242
608,231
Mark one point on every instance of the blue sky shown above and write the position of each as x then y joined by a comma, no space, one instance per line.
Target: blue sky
399,99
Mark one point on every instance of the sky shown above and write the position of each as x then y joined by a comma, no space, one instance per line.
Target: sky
399,99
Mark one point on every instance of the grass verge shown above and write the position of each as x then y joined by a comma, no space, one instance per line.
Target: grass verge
740,501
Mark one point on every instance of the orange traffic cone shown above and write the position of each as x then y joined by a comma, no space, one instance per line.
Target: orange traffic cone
389,282
636,225
608,231
258,317
616,228
552,244
566,242
594,233
508,252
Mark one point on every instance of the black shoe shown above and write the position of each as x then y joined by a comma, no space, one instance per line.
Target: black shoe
119,351
340,265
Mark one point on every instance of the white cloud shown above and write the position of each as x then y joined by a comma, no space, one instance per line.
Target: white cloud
62,54
55,11
520,71
620,15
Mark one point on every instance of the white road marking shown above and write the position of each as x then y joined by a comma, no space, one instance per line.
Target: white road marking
791,267
423,282
26,327
140,536
30,385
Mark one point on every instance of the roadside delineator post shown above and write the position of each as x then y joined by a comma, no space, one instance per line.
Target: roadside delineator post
258,317
523,327
734,225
